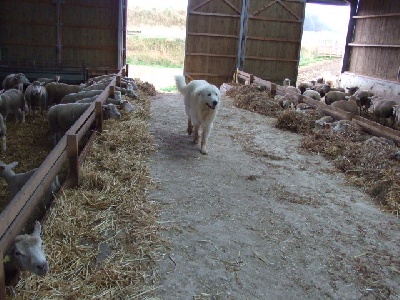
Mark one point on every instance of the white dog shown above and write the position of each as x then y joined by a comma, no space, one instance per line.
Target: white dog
202,101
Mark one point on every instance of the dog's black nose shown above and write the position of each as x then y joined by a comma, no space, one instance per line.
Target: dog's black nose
215,103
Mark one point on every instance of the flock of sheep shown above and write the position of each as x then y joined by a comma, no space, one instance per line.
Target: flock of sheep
353,100
64,104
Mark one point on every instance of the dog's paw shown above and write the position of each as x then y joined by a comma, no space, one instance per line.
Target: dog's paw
204,151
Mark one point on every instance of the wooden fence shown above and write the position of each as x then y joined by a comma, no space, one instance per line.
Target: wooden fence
367,125
15,216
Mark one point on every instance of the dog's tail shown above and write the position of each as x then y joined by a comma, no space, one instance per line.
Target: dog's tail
180,83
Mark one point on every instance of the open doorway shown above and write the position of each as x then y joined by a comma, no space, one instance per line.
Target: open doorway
323,42
156,41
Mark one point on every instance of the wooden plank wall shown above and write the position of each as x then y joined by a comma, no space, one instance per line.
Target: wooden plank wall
212,40
375,48
274,38
88,32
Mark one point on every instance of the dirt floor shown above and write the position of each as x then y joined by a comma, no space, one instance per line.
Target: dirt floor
258,218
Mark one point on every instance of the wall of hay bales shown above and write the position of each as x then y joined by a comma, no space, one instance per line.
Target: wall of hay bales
63,35
374,47
268,32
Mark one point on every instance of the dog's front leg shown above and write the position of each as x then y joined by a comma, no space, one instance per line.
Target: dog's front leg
204,139
189,127
196,133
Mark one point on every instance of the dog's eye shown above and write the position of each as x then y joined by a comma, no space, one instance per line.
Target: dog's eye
209,94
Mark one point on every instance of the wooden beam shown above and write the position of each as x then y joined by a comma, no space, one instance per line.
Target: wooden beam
271,59
260,38
377,16
73,163
210,55
212,35
349,37
214,14
373,45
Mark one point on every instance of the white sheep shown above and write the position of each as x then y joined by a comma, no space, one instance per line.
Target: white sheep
322,122
102,86
312,94
73,97
13,80
56,91
124,104
15,182
36,96
27,253
11,101
62,116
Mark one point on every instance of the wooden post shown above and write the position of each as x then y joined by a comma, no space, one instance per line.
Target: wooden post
111,91
2,278
126,71
273,89
350,35
99,116
118,81
73,163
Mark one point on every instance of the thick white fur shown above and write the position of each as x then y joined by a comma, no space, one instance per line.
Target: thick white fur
202,102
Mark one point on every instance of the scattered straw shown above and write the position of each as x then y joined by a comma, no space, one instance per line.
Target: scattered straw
101,237
370,166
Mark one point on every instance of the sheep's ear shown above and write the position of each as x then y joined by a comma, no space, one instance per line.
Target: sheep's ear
37,229
13,165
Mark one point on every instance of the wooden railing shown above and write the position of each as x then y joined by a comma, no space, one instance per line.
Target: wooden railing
367,125
14,217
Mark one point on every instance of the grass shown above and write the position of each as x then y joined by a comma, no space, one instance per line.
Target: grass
167,53
308,55
170,89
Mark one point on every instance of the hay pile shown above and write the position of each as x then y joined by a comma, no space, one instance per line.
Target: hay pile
251,98
368,165
145,87
28,144
101,237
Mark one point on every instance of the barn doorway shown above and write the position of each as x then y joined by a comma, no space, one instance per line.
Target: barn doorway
156,33
323,42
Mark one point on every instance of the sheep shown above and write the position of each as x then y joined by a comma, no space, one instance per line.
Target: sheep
124,104
312,94
286,82
62,116
56,91
27,253
102,86
36,95
45,81
396,113
73,97
363,99
12,80
383,108
12,100
321,123
302,107
304,86
14,181
322,89
333,96
346,105
3,133
341,125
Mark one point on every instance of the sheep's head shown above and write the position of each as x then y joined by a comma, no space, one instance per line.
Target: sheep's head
28,252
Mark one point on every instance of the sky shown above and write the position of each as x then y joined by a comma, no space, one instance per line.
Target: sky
176,4
332,14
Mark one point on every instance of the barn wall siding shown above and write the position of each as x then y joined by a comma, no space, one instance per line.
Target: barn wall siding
87,36
272,32
375,46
